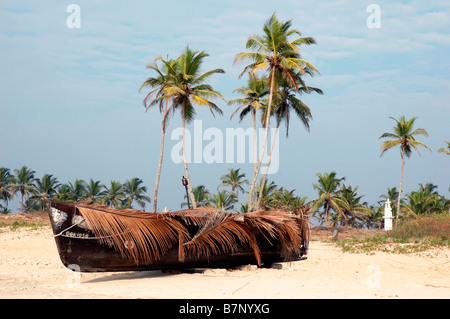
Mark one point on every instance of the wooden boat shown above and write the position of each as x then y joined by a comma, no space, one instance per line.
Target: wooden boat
92,237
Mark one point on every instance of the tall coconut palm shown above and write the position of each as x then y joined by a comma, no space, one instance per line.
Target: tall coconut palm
253,101
46,188
329,197
234,179
286,102
403,136
278,55
23,182
135,191
188,89
114,195
158,97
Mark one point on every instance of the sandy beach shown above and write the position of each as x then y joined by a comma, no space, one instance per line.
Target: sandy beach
30,268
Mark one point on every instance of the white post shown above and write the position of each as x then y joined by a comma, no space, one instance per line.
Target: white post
387,215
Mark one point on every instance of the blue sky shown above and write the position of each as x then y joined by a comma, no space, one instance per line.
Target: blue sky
70,105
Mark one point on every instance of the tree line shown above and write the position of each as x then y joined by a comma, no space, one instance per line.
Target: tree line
336,204
34,191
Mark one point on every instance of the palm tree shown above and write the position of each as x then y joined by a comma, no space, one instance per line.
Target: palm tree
63,193
77,190
135,191
280,57
23,182
46,188
285,199
354,212
403,136
445,150
5,180
200,195
375,216
329,196
161,83
31,205
224,200
115,194
235,180
267,189
286,102
252,101
188,89
424,201
95,190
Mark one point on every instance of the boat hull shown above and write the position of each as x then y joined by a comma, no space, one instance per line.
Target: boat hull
79,249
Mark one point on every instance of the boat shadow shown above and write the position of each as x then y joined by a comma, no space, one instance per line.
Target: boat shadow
132,275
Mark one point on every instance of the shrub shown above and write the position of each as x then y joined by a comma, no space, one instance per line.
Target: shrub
430,227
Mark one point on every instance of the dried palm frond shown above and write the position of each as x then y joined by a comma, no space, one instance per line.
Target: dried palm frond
222,233
143,237
195,216
280,225
304,224
198,233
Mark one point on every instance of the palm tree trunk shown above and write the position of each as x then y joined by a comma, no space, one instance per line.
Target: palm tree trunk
261,153
268,163
191,193
254,141
400,187
158,174
235,190
21,203
161,154
327,214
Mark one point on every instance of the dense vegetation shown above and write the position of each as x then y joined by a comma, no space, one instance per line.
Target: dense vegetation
336,204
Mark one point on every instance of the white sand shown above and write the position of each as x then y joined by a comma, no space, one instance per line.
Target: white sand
30,268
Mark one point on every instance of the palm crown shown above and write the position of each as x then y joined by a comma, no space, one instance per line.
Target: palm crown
187,87
403,136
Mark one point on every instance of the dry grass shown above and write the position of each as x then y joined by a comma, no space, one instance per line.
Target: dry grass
20,220
411,236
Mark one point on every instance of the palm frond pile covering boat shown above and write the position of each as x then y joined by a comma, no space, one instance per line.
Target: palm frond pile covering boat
96,237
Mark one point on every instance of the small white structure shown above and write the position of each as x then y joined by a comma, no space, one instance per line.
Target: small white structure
387,215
